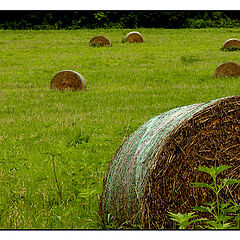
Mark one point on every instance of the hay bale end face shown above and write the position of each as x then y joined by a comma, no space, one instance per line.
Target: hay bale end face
68,80
100,41
151,173
134,37
231,43
227,69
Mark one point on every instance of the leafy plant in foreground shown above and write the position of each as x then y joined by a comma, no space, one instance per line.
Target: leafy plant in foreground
223,215
183,220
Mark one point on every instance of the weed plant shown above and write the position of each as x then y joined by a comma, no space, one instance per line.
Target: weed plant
222,215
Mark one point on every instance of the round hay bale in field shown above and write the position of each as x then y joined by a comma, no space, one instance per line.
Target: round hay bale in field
100,41
152,172
134,37
231,43
227,69
68,80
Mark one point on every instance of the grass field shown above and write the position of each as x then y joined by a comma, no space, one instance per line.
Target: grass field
55,146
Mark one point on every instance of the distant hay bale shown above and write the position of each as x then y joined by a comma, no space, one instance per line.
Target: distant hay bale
134,37
227,69
231,44
68,80
151,173
100,41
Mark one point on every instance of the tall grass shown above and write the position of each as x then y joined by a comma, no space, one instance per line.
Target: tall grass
55,147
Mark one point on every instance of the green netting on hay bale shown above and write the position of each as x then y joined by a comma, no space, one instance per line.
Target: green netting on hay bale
151,172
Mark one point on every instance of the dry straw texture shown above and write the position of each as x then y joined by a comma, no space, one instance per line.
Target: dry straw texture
235,43
134,37
100,41
68,80
227,69
152,171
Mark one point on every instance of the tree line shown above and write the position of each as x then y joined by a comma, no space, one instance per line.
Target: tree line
117,19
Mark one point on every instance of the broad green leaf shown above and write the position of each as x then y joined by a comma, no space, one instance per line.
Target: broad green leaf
230,181
215,225
237,218
202,209
177,217
213,171
198,220
226,225
224,205
211,204
199,184
224,218
221,169
207,170
181,219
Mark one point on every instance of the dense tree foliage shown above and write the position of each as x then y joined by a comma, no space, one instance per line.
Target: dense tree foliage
117,19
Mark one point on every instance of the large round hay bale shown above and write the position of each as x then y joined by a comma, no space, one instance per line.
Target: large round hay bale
68,80
151,173
231,43
134,37
227,69
100,41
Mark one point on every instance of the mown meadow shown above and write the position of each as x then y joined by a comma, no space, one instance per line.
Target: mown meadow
55,146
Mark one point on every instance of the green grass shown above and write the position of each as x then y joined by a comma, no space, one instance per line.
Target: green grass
75,134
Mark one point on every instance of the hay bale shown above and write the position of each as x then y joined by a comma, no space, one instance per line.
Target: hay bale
100,41
68,80
135,37
231,43
151,172
227,69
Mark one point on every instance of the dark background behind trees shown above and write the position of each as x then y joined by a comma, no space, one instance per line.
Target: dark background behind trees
117,19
